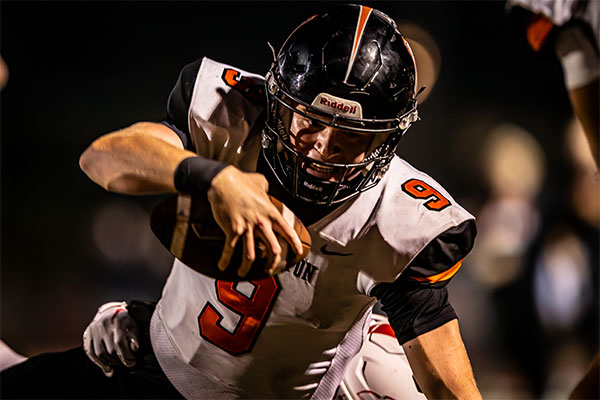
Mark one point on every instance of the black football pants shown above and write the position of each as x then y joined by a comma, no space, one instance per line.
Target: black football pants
71,375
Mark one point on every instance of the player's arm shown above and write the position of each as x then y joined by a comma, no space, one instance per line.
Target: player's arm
150,158
143,158
156,157
575,45
441,365
424,321
139,159
579,57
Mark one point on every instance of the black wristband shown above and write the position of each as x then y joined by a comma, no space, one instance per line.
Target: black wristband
194,175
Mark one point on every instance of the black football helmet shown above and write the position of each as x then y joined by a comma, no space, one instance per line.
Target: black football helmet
351,69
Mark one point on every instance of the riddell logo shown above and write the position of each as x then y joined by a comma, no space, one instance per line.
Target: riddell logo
329,103
340,106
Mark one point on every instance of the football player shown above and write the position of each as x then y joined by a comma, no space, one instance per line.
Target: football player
340,94
570,30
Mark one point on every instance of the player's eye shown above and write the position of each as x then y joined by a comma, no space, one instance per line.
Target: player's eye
352,135
357,137
316,125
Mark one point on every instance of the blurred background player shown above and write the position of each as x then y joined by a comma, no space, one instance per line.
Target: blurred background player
570,30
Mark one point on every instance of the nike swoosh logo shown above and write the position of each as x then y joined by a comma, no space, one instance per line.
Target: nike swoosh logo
333,253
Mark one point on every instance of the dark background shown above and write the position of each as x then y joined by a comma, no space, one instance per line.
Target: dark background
82,69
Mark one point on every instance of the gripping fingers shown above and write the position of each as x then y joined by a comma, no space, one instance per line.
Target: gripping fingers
133,344
273,243
230,242
88,347
87,341
93,350
123,337
249,254
124,352
125,333
288,233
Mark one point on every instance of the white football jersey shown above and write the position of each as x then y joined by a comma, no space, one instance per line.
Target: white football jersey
291,335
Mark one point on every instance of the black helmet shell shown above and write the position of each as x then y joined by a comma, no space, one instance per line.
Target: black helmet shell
328,53
348,68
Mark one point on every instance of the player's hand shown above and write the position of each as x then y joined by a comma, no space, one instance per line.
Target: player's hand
111,339
242,209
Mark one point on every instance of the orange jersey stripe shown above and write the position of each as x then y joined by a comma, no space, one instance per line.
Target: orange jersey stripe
442,276
360,28
538,31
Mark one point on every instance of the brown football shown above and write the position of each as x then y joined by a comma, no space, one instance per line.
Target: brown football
187,228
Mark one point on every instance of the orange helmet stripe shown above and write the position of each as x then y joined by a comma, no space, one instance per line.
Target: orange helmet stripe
363,16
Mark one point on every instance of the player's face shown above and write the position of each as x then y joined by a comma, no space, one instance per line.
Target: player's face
321,142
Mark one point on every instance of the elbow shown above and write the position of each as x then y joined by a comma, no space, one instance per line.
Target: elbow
90,163
86,160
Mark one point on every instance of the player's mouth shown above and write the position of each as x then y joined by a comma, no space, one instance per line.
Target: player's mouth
322,171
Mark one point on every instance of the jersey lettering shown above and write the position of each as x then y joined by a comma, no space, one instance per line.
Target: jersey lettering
250,88
305,271
420,190
253,305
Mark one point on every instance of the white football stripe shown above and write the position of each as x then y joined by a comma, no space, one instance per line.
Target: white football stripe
182,218
288,216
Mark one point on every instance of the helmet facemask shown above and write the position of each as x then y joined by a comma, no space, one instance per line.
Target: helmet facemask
324,182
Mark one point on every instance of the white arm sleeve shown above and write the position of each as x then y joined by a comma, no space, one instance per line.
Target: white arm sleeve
578,56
